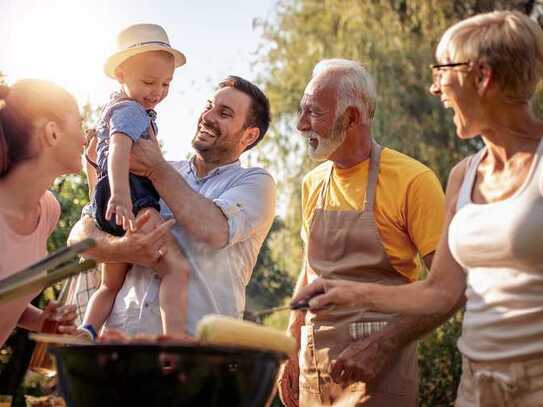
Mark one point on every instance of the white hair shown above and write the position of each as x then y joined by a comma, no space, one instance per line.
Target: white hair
356,86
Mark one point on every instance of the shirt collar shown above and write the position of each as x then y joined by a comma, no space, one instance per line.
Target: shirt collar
121,94
191,169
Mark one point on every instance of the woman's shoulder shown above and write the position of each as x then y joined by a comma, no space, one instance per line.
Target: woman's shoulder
454,184
457,174
50,211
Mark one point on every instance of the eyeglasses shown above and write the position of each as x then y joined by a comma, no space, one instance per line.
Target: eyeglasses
437,69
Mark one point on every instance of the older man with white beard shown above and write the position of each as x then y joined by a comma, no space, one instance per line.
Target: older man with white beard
368,214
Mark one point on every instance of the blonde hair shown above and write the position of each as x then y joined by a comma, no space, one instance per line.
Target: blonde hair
508,41
356,86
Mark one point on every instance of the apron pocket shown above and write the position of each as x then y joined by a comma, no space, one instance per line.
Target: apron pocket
400,376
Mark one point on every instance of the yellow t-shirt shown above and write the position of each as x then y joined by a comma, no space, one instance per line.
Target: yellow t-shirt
409,204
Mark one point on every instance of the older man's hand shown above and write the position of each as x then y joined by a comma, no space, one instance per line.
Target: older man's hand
288,382
363,360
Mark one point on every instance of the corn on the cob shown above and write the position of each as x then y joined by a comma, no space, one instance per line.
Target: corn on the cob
227,331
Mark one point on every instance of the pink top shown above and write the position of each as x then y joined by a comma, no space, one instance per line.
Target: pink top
19,251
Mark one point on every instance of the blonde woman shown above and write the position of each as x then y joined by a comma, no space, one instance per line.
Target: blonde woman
40,139
491,249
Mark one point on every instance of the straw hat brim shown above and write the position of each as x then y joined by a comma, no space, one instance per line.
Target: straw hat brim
119,57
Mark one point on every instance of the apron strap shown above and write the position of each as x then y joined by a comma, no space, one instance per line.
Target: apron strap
369,200
372,176
324,189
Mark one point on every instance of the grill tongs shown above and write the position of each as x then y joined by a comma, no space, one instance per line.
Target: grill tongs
55,267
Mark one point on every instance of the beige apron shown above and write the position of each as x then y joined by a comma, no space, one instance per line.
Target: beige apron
346,245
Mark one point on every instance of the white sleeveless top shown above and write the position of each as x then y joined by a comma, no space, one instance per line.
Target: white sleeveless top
500,246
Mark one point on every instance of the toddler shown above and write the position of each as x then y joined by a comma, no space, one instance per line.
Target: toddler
143,65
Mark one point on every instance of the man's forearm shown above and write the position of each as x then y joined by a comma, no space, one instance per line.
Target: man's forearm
199,216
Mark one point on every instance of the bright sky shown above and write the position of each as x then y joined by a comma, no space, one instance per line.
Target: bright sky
67,41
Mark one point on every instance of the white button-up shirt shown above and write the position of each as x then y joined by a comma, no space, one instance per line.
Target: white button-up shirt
218,277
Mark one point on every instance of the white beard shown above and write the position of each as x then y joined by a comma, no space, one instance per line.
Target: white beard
325,145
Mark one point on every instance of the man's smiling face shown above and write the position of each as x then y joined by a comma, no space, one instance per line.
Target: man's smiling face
222,124
318,121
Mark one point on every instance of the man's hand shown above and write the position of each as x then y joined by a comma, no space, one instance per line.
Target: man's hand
146,158
145,249
135,247
288,382
58,319
362,360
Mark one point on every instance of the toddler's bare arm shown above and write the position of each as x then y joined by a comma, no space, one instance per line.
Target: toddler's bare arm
120,203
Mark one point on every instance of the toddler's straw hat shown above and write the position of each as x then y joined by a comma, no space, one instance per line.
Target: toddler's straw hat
137,39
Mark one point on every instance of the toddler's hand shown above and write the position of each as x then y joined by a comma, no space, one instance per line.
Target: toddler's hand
121,207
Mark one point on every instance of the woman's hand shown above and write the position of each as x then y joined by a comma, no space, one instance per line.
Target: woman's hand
324,294
58,319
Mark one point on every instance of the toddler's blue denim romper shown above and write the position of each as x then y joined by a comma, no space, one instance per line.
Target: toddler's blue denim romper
126,116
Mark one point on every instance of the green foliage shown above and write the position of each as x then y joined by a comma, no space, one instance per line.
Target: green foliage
72,193
440,364
269,283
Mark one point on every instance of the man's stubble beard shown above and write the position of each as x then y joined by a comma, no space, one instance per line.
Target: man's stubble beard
214,153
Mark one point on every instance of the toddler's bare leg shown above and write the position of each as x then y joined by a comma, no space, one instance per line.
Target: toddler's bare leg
174,270
101,302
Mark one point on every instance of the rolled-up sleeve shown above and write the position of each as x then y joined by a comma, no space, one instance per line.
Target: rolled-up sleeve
129,118
249,205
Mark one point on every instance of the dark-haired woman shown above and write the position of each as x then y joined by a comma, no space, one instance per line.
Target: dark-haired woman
40,139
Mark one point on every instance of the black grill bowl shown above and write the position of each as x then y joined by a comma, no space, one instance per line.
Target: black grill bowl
165,375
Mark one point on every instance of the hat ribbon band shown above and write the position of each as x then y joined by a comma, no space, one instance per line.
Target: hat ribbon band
139,44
